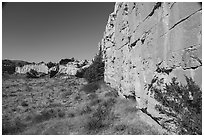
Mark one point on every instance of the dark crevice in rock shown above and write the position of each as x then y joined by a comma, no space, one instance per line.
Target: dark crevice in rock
156,119
182,20
134,43
149,86
126,8
197,59
130,97
192,67
111,25
164,70
172,5
156,6
123,46
142,40
134,5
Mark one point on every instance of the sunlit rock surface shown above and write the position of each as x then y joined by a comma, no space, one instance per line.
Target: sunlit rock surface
41,67
70,68
147,40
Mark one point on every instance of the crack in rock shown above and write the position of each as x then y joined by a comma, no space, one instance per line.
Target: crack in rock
156,6
134,43
156,119
180,21
197,59
172,5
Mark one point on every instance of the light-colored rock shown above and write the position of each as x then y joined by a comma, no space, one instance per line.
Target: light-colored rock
141,39
70,68
41,67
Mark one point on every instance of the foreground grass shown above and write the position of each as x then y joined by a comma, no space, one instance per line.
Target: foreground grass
68,106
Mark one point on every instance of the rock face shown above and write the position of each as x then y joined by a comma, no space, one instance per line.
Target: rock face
41,67
147,40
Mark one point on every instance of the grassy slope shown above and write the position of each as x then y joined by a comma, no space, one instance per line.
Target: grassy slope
66,106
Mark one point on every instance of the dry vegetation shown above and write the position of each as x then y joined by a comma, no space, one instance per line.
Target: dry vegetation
68,105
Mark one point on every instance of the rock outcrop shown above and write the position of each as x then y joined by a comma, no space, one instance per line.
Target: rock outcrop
70,68
40,67
147,40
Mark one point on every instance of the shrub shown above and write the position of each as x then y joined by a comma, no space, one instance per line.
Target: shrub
86,110
184,103
12,127
50,65
95,101
92,96
48,114
112,94
95,122
71,115
102,116
90,87
32,74
120,128
54,72
9,69
95,71
80,73
65,61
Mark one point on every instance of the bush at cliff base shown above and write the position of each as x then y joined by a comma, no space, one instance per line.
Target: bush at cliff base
184,103
95,71
80,73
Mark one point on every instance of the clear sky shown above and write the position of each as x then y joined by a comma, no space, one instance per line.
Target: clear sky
51,31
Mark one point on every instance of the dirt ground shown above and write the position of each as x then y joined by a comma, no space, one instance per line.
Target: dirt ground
69,105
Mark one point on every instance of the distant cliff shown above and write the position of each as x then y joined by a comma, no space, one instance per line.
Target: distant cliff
65,66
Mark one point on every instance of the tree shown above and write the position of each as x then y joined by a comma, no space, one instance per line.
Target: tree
50,65
183,102
95,71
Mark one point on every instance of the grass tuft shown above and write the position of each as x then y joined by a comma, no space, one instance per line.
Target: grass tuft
14,127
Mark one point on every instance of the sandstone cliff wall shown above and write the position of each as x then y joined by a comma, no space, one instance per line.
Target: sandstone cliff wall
147,40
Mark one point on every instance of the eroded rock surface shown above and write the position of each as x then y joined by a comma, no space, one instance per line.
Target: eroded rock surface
147,40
